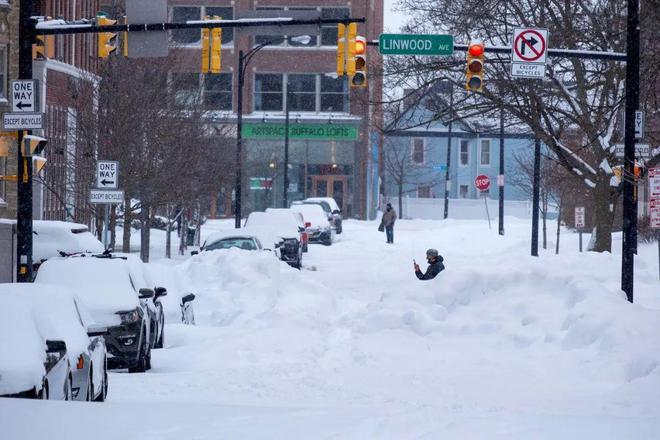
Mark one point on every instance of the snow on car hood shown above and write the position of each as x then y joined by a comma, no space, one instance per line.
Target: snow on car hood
57,304
103,284
22,348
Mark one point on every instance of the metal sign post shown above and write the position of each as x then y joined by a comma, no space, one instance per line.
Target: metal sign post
107,176
482,182
579,221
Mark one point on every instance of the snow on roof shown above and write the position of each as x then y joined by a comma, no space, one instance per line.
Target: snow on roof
313,214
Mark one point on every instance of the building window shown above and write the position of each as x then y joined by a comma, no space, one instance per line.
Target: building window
186,89
3,72
271,40
217,91
418,151
296,41
329,32
463,191
309,92
193,36
465,153
484,160
334,94
268,92
424,192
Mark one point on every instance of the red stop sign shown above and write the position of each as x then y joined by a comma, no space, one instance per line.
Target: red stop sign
482,182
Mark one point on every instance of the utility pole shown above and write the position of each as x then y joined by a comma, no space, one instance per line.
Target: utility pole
286,148
535,201
451,118
500,182
632,105
24,175
239,142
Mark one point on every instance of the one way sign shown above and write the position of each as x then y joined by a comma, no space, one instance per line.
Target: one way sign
107,174
25,96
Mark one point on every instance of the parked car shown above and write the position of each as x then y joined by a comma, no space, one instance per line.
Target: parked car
282,225
232,238
142,279
105,285
331,209
317,225
71,323
31,365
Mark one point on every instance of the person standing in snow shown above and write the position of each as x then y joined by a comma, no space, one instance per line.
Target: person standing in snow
435,265
389,217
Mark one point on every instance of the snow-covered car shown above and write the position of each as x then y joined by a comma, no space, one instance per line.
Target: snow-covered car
71,323
231,238
31,365
286,233
317,225
105,285
142,279
330,207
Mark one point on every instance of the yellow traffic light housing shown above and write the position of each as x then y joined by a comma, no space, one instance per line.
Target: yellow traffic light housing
474,72
351,48
107,41
341,49
359,77
33,145
44,47
212,48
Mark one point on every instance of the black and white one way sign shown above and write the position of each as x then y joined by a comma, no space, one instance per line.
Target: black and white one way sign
107,174
24,96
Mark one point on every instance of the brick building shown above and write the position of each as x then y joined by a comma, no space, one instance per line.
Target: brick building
61,189
332,126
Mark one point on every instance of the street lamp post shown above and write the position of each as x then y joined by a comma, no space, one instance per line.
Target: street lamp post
451,117
286,148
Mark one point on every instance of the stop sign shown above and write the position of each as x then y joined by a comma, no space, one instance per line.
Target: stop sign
482,182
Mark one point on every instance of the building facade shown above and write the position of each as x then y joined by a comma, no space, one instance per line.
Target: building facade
332,126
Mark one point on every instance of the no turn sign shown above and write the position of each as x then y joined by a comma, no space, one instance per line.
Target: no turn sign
528,54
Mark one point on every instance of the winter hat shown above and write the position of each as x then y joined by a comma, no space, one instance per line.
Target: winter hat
432,253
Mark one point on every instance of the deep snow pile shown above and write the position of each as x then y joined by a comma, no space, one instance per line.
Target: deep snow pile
500,345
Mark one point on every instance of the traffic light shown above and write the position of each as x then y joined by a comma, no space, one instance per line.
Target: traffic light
351,35
341,49
474,73
33,145
107,41
44,47
212,48
359,77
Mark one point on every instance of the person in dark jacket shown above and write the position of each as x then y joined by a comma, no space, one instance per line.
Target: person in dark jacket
435,265
389,217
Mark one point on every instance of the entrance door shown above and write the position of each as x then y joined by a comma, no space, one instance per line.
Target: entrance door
331,186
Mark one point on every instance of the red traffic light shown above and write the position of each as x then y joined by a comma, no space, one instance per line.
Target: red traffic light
360,45
476,50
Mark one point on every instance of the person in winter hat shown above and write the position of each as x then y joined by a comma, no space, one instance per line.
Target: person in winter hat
389,217
435,265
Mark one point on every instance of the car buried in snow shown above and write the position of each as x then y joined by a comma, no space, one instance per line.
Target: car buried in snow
31,365
284,232
330,207
71,323
114,300
317,226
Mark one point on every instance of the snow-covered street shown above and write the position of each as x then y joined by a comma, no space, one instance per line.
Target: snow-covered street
499,345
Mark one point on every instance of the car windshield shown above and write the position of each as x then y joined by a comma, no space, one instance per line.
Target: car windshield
241,243
324,205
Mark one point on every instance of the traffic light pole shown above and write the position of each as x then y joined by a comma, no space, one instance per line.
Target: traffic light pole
239,142
501,183
632,105
24,165
536,196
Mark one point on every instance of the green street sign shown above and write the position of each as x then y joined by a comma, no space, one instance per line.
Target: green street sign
329,132
413,44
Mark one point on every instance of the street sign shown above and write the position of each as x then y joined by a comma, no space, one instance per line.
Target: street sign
414,44
482,182
107,174
25,96
23,121
500,180
104,196
579,217
641,150
528,54
639,124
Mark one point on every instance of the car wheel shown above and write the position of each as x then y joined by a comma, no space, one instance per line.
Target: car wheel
141,365
90,387
43,394
159,342
67,388
104,388
147,360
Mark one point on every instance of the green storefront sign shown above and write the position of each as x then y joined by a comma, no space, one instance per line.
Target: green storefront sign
328,132
413,44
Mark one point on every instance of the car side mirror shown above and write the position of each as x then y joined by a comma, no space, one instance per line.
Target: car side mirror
277,245
146,293
188,298
160,291
193,253
97,330
55,346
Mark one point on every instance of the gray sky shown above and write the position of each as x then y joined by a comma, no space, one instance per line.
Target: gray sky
393,20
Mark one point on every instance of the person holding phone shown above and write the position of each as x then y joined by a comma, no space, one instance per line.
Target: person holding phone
435,261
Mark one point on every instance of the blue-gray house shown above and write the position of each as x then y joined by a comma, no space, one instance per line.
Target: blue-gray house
415,154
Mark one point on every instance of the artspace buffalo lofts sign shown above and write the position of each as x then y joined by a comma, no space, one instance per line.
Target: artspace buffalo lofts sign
329,132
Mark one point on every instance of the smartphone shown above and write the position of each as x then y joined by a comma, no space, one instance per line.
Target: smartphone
414,262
